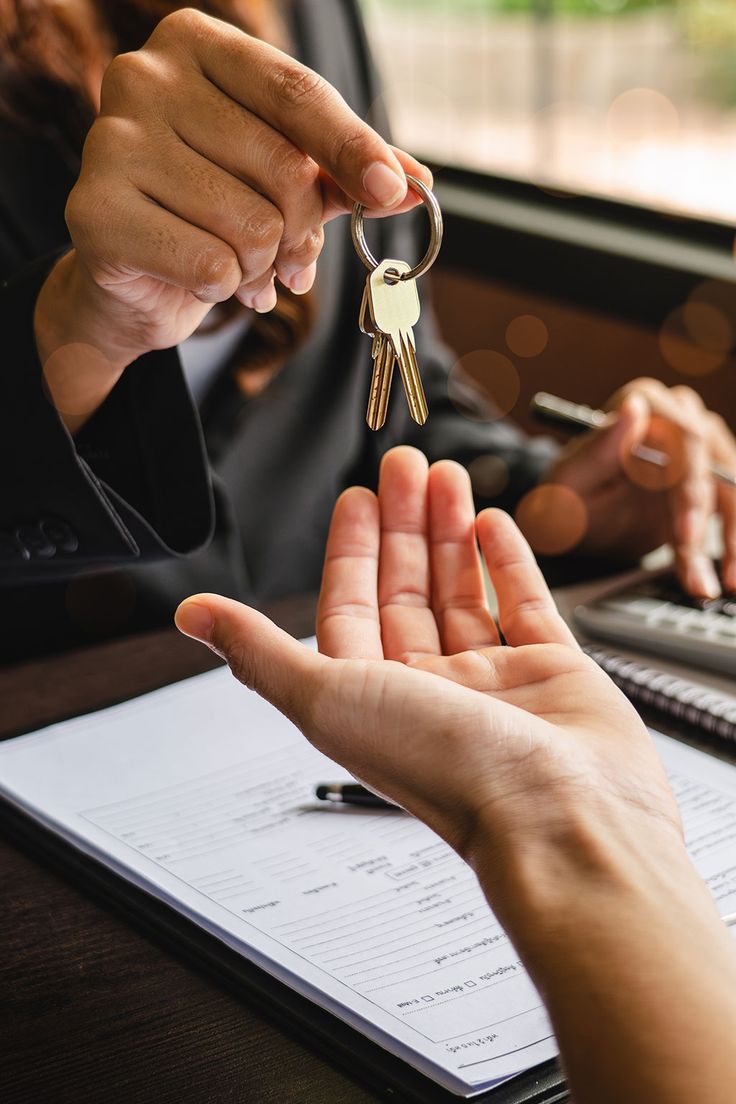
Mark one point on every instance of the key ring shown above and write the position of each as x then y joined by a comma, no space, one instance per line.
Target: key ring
435,232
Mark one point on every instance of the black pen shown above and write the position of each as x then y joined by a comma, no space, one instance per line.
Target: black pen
578,417
351,793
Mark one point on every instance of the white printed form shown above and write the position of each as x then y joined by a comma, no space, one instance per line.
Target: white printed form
706,795
203,794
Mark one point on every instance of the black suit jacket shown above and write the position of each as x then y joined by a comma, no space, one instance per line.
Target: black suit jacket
154,500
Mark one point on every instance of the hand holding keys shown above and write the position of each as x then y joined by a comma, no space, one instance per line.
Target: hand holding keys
389,311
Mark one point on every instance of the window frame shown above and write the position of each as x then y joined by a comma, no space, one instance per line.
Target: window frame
619,258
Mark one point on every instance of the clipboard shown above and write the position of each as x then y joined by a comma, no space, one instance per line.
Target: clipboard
339,1043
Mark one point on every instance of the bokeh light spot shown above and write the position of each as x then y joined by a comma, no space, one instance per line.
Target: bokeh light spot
527,335
553,518
708,326
484,385
716,293
683,351
489,476
77,369
640,114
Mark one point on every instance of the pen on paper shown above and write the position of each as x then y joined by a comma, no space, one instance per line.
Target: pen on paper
351,793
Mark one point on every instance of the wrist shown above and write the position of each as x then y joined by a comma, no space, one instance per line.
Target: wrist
626,948
549,877
71,308
77,342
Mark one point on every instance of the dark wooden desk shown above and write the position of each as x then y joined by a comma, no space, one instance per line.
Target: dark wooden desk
92,1009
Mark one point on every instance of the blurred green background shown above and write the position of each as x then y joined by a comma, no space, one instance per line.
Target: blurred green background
634,99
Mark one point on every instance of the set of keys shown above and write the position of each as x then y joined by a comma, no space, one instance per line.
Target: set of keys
390,310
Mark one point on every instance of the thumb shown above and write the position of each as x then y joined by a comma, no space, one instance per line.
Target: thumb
259,654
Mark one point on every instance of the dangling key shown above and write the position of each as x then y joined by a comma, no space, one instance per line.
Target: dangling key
383,366
394,309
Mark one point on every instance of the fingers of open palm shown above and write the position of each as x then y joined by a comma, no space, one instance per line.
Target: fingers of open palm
482,669
348,625
538,678
408,623
458,590
527,612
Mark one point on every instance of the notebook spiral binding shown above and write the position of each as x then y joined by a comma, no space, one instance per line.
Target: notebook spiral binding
711,711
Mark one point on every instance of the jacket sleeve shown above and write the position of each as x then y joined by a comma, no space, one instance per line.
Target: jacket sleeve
133,485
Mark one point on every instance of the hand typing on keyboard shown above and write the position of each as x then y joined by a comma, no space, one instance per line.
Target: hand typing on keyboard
634,506
657,615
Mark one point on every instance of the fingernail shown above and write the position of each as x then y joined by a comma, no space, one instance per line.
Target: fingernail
195,621
386,186
265,300
301,282
729,578
701,578
637,404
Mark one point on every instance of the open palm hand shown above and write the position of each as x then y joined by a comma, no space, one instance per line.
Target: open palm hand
415,693
403,582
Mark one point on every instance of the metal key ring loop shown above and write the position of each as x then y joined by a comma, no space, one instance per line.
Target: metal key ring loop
435,232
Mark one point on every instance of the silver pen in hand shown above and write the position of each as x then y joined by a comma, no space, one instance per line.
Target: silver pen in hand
578,418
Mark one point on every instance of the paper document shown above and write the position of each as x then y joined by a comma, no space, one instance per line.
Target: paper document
202,794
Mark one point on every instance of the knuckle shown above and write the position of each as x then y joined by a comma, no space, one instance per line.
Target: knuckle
696,430
299,170
296,85
263,234
653,391
88,211
345,143
308,249
184,22
75,210
128,76
237,657
688,396
109,136
216,270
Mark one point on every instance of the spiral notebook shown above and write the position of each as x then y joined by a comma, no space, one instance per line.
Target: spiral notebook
711,711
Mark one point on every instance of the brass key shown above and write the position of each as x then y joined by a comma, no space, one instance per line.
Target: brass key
394,309
383,367
390,310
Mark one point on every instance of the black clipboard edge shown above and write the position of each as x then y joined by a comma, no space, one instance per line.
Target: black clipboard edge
339,1043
